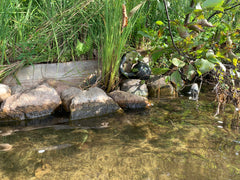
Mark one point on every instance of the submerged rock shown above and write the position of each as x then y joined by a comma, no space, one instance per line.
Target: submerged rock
5,147
157,87
91,103
127,100
32,103
5,92
57,147
135,86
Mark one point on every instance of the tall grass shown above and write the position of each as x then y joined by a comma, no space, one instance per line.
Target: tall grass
114,40
37,31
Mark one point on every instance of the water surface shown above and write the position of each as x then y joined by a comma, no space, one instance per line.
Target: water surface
174,139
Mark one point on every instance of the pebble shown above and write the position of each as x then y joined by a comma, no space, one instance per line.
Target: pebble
41,151
5,147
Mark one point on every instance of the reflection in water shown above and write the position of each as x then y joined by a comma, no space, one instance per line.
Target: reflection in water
174,139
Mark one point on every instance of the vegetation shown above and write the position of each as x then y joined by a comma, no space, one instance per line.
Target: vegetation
187,40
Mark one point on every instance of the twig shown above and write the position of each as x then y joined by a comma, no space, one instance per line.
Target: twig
169,26
187,18
218,12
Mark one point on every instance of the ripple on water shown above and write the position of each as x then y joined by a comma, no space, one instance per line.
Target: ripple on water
174,139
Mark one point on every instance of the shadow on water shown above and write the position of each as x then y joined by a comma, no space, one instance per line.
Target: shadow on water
174,139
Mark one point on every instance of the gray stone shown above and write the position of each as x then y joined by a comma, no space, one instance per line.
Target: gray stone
91,103
59,86
5,92
135,86
67,95
158,87
71,72
127,100
32,103
17,89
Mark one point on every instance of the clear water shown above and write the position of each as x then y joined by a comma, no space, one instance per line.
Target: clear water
174,139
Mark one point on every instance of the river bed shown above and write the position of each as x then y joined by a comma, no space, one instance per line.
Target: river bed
173,139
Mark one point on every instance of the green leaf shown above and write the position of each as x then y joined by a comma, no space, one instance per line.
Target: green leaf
218,9
159,71
157,54
204,66
190,73
178,63
216,61
145,35
79,48
177,80
159,23
212,4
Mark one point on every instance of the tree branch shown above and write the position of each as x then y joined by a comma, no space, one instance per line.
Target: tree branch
218,12
187,18
169,26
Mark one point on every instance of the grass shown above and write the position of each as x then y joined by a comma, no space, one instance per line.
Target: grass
36,31
41,31
114,40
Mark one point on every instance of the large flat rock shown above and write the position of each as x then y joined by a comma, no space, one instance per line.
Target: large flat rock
70,72
91,103
33,103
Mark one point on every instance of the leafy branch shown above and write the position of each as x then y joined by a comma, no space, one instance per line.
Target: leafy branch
218,12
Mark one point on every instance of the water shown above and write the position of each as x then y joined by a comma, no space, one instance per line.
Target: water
174,139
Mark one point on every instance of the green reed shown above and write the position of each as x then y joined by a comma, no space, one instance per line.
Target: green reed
114,39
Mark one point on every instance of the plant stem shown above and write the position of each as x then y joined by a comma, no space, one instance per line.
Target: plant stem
169,26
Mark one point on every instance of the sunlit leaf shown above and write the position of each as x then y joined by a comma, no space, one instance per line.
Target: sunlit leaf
218,9
201,17
216,61
79,48
211,4
159,23
178,63
204,65
213,60
235,62
220,15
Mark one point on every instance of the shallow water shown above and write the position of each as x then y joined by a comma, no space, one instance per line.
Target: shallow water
174,139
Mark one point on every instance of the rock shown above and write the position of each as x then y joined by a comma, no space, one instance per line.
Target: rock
5,92
5,147
32,103
71,72
67,95
146,60
135,86
158,87
127,100
17,89
59,86
91,103
90,81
